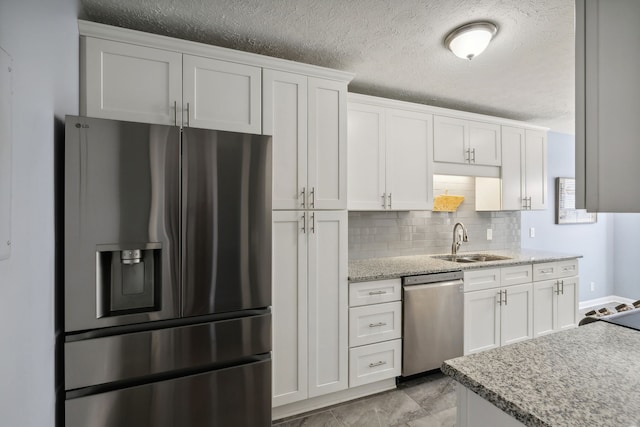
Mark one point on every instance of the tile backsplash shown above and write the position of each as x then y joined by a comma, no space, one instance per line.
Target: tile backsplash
385,234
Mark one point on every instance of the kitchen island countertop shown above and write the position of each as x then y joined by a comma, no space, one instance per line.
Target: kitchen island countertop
394,267
586,376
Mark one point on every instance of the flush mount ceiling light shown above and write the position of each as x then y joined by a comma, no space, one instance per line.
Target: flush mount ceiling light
470,40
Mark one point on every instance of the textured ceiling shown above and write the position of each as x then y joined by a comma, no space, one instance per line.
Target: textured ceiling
395,47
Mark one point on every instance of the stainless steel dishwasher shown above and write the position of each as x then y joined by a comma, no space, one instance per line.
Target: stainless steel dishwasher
432,320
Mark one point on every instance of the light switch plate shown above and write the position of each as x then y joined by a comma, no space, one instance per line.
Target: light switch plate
489,234
532,232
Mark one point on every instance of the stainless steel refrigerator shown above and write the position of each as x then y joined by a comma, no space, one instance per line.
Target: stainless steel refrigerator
167,276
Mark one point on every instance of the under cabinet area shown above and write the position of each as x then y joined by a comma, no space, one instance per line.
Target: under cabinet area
390,161
375,331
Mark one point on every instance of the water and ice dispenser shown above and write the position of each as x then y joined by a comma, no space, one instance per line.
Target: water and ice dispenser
128,279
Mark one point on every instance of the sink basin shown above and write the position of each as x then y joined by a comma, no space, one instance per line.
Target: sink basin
465,258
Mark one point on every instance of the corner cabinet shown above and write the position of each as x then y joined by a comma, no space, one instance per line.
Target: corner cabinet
124,81
466,141
607,105
307,118
310,304
390,164
524,169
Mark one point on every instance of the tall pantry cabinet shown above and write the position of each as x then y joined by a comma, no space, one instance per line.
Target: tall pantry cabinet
307,118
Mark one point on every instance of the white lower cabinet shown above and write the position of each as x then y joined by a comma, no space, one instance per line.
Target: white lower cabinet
375,331
310,307
511,304
556,300
498,315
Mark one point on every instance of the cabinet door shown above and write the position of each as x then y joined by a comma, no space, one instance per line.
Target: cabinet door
450,140
567,303
544,307
328,305
289,309
327,144
481,320
536,168
221,95
285,117
513,153
409,166
132,83
516,320
367,141
485,143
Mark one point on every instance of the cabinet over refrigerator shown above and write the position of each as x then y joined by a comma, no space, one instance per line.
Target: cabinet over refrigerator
167,276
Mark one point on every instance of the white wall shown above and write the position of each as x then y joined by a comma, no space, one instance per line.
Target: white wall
627,255
594,241
42,38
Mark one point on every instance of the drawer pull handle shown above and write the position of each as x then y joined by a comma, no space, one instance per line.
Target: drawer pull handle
374,325
379,363
377,292
547,271
568,268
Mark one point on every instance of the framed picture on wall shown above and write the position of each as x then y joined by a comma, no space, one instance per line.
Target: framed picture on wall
566,212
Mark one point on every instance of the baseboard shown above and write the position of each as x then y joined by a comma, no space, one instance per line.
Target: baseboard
284,411
604,300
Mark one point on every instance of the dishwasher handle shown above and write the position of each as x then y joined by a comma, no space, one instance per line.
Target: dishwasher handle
417,288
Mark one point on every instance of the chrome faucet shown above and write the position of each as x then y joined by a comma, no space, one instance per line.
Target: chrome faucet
456,237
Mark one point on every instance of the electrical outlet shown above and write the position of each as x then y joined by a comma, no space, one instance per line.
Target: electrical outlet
593,286
532,232
489,234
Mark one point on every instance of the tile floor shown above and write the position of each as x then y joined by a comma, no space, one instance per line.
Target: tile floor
427,401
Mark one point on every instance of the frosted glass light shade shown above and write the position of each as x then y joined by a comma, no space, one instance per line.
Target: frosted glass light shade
470,40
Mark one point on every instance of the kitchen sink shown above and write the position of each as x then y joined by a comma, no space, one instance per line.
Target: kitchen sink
466,258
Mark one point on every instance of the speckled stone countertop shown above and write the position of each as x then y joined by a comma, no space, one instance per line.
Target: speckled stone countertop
393,267
586,376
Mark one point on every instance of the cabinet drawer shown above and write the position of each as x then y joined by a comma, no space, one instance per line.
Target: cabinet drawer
567,268
516,275
477,280
378,291
545,271
374,323
374,362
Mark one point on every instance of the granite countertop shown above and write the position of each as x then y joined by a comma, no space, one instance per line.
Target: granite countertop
586,376
394,267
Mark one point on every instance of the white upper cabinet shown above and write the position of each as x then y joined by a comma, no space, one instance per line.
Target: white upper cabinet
133,83
327,149
409,166
466,141
524,169
607,105
221,95
307,118
367,157
284,109
390,165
